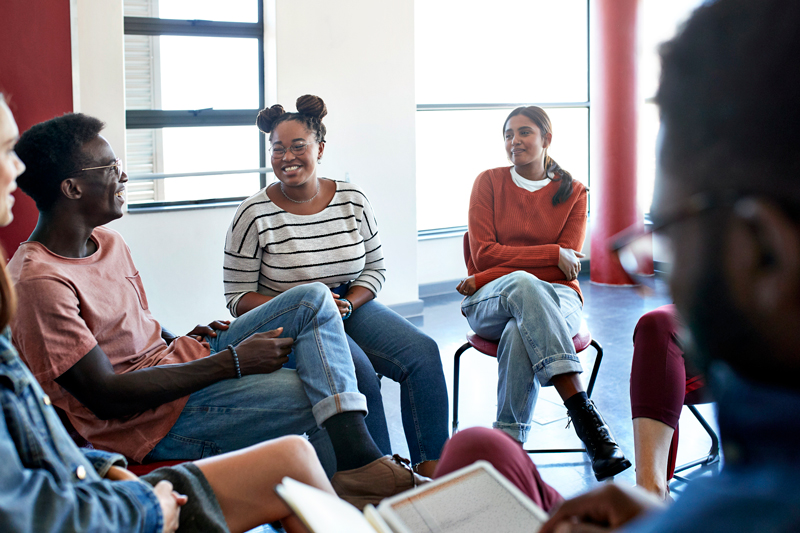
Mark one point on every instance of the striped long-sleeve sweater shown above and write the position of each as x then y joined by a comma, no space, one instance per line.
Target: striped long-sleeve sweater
269,251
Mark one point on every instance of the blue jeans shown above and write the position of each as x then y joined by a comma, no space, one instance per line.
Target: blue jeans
370,386
232,414
402,353
533,322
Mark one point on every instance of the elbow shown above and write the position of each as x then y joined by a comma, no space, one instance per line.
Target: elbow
105,407
104,415
106,411
481,261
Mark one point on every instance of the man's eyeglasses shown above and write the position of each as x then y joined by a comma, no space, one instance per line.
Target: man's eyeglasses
635,246
116,165
279,151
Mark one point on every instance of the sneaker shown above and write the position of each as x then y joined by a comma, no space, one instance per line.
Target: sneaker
380,479
607,458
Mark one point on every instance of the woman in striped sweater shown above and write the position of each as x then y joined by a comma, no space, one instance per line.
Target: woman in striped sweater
306,229
527,223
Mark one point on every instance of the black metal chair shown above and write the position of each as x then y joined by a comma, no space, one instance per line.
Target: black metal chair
713,453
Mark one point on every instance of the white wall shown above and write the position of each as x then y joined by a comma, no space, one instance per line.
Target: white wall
440,260
358,55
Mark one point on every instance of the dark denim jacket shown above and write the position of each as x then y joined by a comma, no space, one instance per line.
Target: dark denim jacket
49,484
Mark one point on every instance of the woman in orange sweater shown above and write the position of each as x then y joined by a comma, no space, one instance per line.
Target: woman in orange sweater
527,224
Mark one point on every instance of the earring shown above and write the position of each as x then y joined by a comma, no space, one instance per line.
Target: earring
319,161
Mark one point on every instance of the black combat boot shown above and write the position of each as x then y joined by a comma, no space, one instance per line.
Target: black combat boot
607,458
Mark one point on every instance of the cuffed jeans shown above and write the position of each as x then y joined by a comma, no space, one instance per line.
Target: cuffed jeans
533,322
402,353
232,414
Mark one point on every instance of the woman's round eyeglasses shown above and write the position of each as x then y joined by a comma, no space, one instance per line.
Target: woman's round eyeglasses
279,151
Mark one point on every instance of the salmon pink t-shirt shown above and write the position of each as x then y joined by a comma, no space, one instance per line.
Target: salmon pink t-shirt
68,306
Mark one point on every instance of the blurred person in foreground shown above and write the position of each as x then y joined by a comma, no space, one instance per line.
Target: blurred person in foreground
728,203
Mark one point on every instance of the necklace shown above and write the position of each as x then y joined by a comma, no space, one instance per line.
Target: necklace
299,201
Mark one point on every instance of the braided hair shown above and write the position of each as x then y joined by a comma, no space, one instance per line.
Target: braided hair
553,170
310,112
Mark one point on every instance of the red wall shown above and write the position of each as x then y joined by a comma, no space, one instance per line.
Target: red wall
36,72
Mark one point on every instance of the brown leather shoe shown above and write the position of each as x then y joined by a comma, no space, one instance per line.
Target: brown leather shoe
379,479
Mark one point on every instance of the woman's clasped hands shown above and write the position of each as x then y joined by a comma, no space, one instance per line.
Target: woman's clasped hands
467,287
569,261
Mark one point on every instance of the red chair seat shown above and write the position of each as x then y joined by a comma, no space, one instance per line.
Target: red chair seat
141,470
581,340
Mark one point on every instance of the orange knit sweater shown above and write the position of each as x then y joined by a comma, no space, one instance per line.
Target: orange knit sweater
513,229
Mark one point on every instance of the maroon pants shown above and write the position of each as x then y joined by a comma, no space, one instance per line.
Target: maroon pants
505,454
660,381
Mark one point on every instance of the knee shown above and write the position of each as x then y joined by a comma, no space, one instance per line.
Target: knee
656,324
428,348
475,444
521,278
293,450
470,439
317,290
525,284
317,294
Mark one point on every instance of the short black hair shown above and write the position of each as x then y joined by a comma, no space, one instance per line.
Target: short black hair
729,97
52,151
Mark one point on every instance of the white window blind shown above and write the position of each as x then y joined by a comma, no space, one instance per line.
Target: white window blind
142,91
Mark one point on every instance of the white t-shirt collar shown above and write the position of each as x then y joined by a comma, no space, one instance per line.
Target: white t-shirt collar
527,184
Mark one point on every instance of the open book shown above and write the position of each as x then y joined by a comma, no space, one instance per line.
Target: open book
474,499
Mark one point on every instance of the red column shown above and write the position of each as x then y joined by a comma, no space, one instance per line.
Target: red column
36,72
614,130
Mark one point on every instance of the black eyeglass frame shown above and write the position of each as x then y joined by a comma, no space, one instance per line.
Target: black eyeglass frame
692,206
296,149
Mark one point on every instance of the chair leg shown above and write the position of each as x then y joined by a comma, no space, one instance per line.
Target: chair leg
456,360
713,452
595,369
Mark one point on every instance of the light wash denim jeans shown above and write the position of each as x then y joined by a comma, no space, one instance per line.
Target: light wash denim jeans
402,353
534,322
235,413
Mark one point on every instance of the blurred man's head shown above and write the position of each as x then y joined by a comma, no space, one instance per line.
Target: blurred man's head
729,182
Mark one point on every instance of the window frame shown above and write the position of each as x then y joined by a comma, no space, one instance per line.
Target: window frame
457,231
158,119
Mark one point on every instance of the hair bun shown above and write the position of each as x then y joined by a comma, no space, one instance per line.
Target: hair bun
311,105
266,117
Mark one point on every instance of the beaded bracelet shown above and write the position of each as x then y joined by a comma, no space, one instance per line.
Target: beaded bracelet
235,361
349,309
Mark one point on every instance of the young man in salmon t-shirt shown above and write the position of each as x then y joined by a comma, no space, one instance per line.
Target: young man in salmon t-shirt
85,330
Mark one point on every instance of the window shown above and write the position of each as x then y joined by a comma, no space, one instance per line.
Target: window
194,82
473,66
658,22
